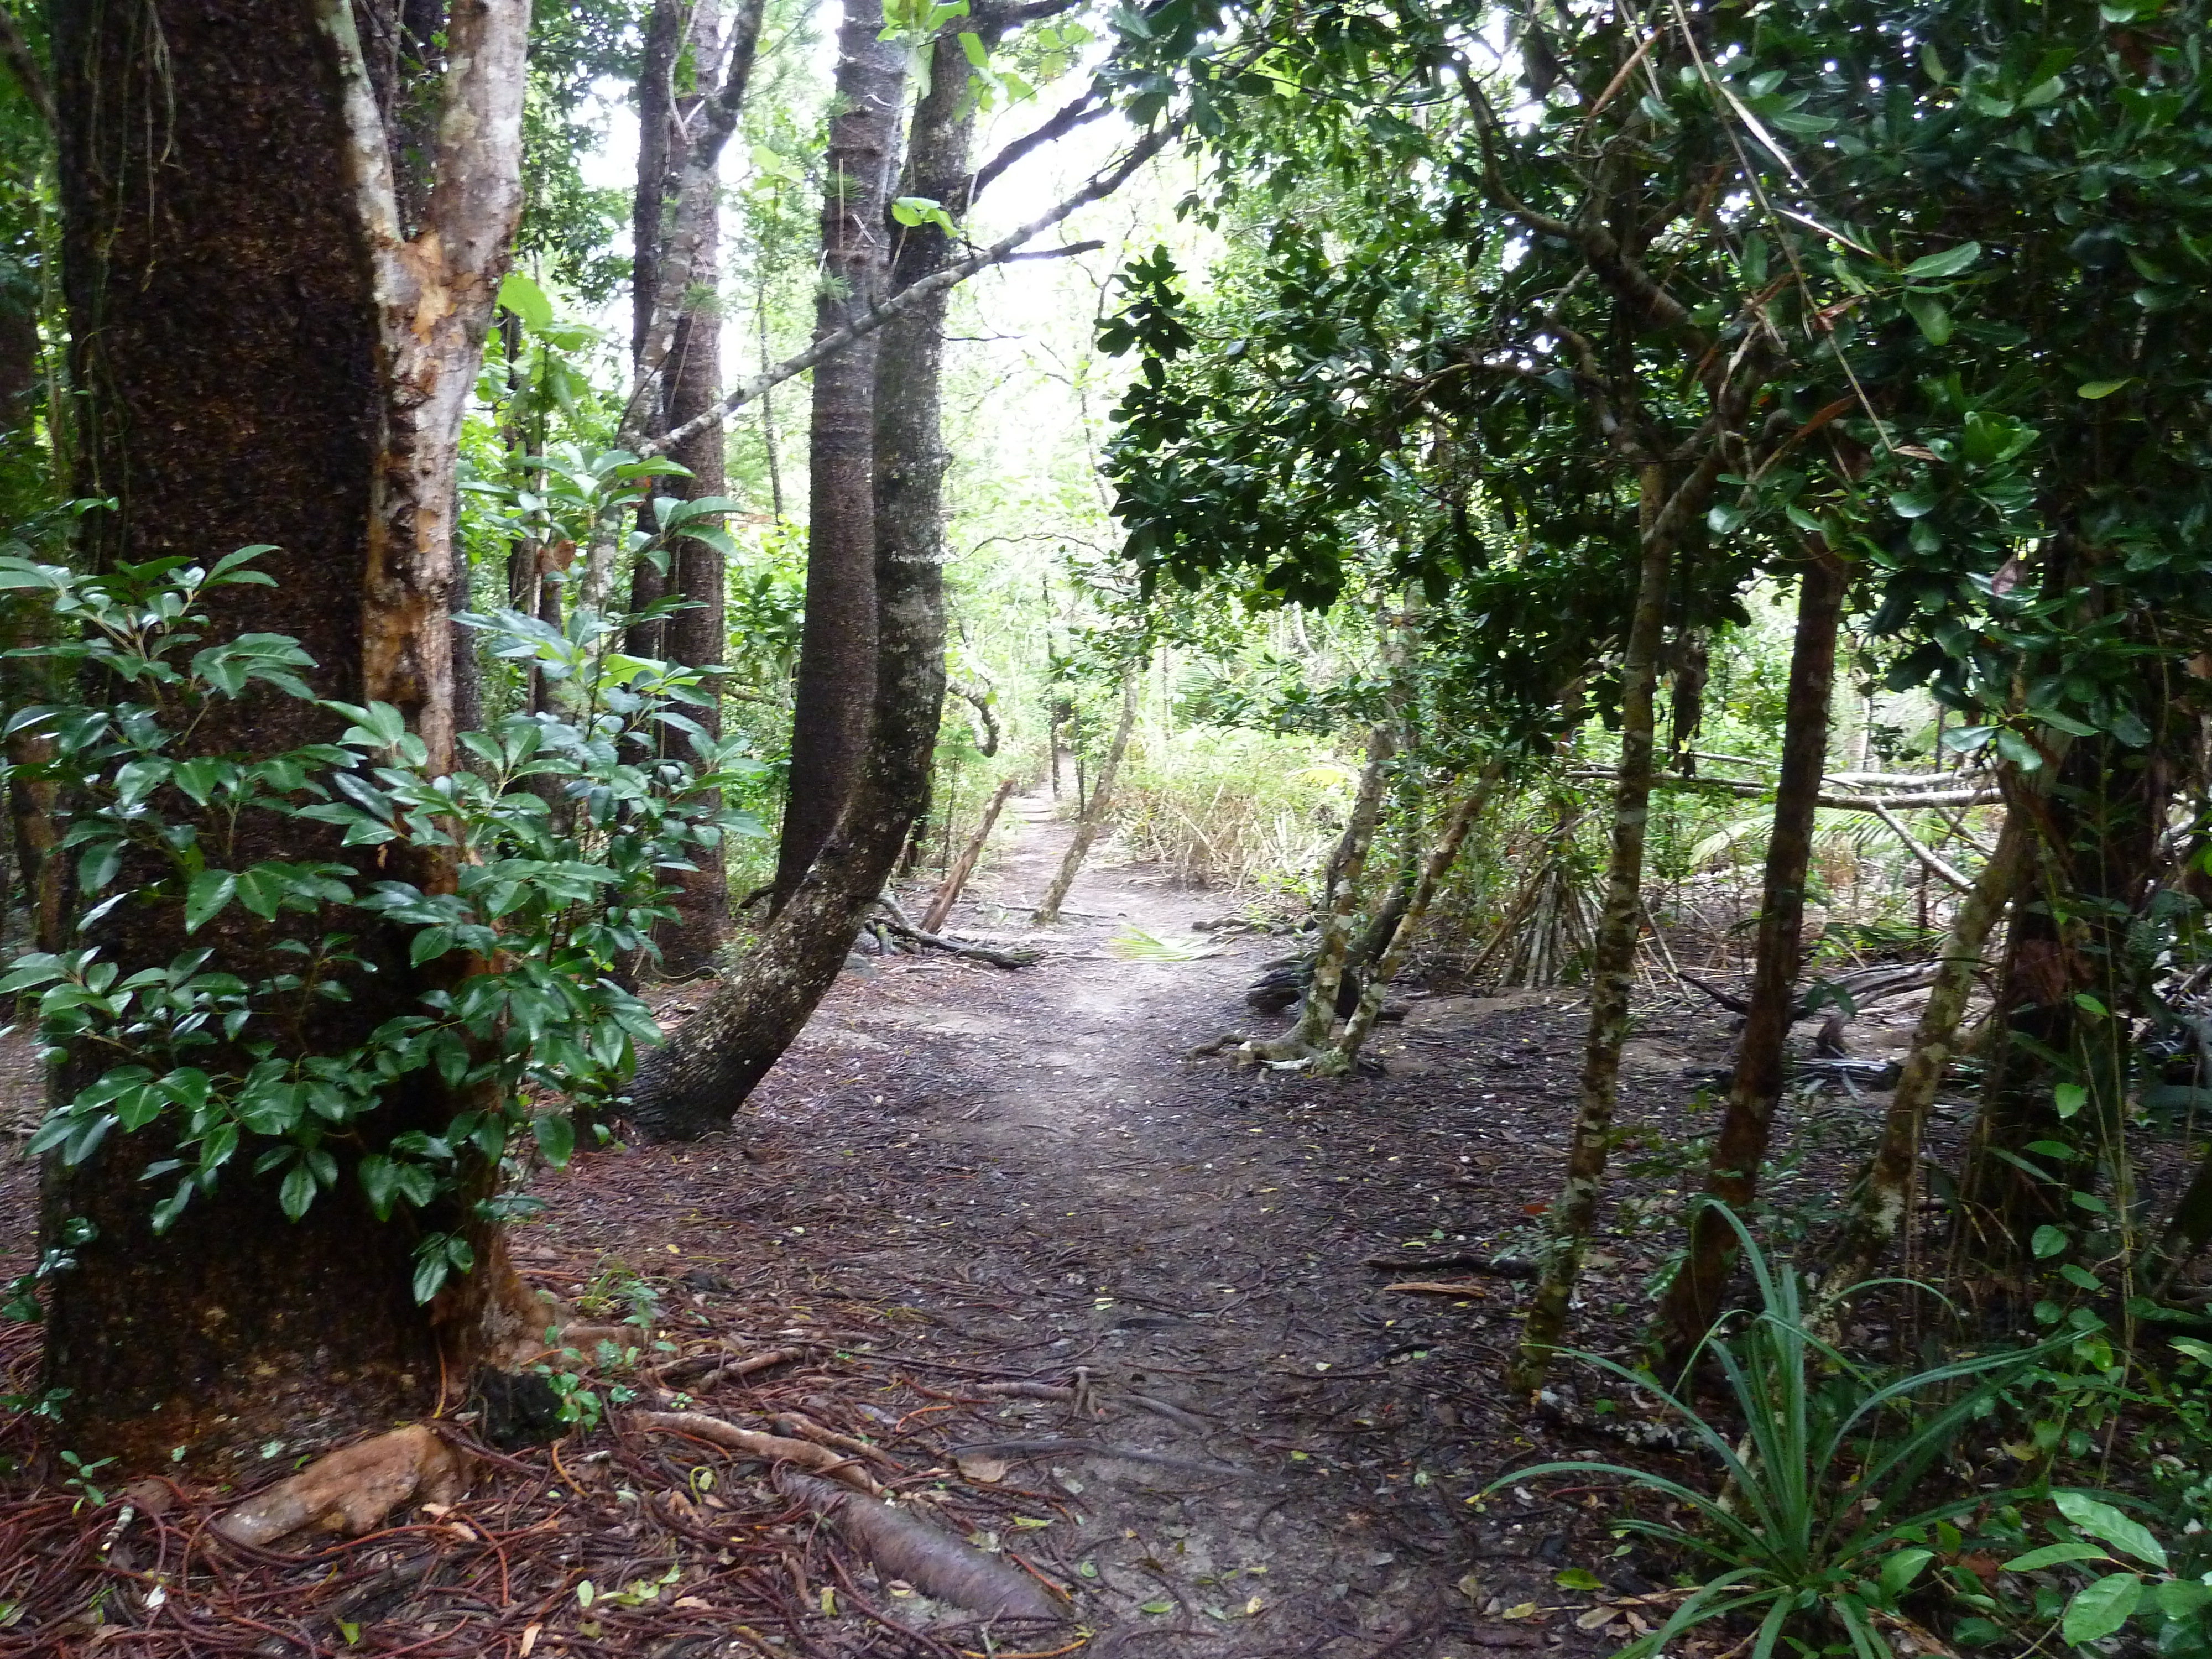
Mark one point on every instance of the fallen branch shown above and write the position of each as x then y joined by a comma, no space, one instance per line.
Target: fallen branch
940,907
352,1490
939,1566
1441,1287
1504,1267
772,1448
1952,796
715,1368
903,925
803,1427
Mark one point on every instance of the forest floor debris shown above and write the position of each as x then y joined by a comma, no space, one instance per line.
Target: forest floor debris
1105,1316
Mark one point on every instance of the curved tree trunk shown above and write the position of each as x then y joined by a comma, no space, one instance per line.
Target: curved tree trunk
246,300
697,1081
1612,961
1693,1300
837,648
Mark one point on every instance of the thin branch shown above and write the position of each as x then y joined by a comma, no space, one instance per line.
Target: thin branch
1100,186
24,66
1066,252
1933,865
1086,107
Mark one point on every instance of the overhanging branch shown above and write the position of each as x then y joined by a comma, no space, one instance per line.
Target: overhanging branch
1100,186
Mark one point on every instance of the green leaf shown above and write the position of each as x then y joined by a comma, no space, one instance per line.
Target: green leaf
1579,1578
2048,1242
522,296
1160,1607
2094,390
2051,1555
2101,1520
2179,1598
1914,504
1900,1569
1950,262
556,1136
2199,1352
1929,312
210,891
972,44
2100,1608
2070,1099
297,1191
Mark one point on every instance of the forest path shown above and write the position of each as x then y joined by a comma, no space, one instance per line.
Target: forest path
1021,1174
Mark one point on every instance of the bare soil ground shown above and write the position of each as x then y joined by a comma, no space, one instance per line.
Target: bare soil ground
1103,1309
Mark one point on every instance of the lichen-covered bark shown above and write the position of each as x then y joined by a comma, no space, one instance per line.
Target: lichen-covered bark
1886,1193
837,648
1612,961
1693,1300
1094,814
1434,868
241,388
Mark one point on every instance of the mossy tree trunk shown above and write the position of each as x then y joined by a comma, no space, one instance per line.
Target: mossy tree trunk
1612,961
1693,1300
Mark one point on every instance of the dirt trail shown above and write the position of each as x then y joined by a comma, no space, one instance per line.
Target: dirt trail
1021,1171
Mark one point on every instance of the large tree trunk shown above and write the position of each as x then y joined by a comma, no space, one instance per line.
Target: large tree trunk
697,1081
1693,1300
837,649
1612,961
269,357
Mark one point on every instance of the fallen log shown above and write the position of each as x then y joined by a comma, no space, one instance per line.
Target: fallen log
939,1566
904,927
352,1490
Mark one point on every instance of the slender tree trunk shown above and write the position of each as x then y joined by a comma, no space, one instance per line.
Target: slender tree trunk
1612,961
1093,816
1318,1013
274,358
1434,868
949,894
1886,1193
678,207
836,652
1693,1300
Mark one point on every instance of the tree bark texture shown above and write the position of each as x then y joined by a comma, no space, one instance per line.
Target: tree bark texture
1092,818
1885,1194
1694,1301
837,647
678,206
1613,958
234,319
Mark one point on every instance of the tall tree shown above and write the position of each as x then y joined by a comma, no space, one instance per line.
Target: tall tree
675,361
837,651
270,352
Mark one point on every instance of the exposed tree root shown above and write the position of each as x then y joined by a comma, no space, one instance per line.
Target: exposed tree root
903,1546
774,1447
351,1490
904,927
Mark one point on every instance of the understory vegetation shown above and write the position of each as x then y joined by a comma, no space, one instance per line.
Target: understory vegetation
1702,511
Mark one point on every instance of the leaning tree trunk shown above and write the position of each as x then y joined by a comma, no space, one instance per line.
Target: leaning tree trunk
1693,1300
270,356
1384,968
1092,818
1612,961
697,1082
836,649
1885,1194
